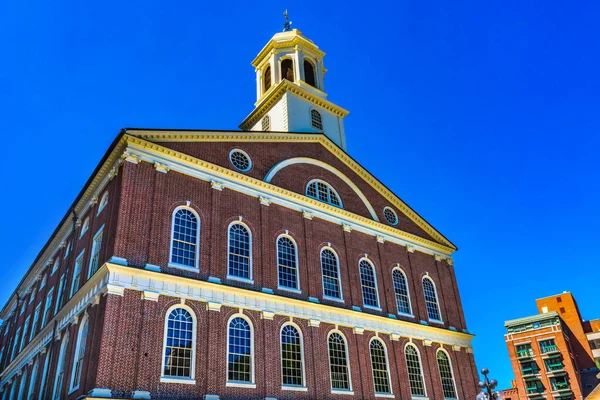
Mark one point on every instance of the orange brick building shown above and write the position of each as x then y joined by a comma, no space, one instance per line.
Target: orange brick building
554,354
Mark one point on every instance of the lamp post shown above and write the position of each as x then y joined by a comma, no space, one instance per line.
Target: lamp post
487,388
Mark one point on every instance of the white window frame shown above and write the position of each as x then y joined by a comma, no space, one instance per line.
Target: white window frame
350,389
77,272
62,355
55,266
47,306
103,202
61,286
175,379
95,249
84,227
32,294
339,273
330,187
36,317
387,208
44,279
22,384
68,249
196,267
73,386
17,339
437,298
250,278
245,154
378,307
303,387
398,268
252,384
44,380
420,367
310,114
451,372
387,364
289,289
34,372
25,332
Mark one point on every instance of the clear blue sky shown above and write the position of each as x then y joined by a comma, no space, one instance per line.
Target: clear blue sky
483,117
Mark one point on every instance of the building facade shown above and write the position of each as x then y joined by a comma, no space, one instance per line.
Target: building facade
257,264
552,353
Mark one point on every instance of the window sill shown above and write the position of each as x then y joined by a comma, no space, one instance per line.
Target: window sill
420,398
401,314
239,279
73,390
372,307
246,385
289,289
294,388
436,321
183,267
333,299
185,381
342,391
385,395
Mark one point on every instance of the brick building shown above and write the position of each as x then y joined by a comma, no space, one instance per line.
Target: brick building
252,264
553,353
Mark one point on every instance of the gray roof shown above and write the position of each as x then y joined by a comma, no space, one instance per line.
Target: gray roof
533,318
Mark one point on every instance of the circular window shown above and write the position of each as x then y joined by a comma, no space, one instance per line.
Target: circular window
240,160
390,216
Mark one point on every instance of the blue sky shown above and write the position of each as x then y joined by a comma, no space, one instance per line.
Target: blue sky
483,117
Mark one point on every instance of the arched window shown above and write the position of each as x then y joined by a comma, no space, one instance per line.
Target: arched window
431,300
287,263
79,353
315,119
292,357
309,73
240,351
323,191
180,343
368,284
267,78
34,372
185,237
287,70
338,362
103,202
266,123
22,385
240,252
415,372
331,274
85,227
446,375
60,369
401,292
379,365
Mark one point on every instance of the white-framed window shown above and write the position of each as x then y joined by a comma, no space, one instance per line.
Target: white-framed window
22,385
179,347
431,299
95,257
25,332
368,283
47,307
266,123
34,372
68,249
44,380
239,246
60,368
240,160
79,353
23,306
32,295
15,344
390,216
401,291
56,265
316,121
36,317
415,370
287,263
446,375
103,202
240,350
44,280
330,269
339,367
84,227
59,297
13,391
292,356
322,191
380,367
185,238
77,273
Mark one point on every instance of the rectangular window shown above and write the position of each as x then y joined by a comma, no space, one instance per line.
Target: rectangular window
23,307
32,295
67,250
47,307
524,351
24,338
95,258
59,296
548,346
36,316
77,273
15,344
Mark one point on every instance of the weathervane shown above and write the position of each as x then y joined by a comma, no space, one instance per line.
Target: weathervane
287,25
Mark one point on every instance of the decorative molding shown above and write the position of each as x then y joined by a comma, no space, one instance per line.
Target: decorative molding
93,201
264,201
427,342
346,228
450,261
267,314
213,306
395,336
115,289
410,249
314,323
216,185
131,157
358,330
469,350
113,172
438,257
380,239
150,295
307,215
161,167
456,348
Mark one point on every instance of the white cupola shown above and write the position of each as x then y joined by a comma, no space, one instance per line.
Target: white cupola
290,90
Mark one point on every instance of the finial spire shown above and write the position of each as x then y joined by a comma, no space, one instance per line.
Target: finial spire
287,25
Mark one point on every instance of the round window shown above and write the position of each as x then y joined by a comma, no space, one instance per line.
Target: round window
240,160
390,216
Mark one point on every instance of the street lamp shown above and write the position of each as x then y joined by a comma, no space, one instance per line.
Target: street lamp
487,388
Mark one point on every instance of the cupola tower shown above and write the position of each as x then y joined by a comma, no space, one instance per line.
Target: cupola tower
290,89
